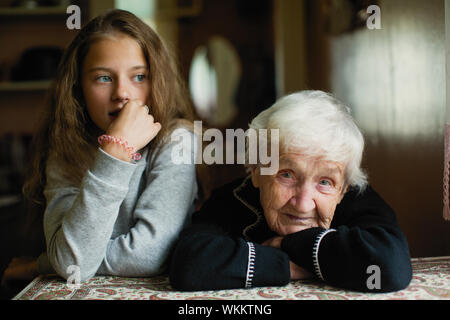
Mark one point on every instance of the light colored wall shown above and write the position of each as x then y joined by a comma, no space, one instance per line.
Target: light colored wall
395,81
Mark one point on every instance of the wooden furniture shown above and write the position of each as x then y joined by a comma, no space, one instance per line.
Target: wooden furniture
20,29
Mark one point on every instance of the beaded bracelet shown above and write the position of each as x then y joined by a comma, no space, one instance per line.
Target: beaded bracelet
131,151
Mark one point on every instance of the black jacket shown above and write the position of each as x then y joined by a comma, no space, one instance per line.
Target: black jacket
222,249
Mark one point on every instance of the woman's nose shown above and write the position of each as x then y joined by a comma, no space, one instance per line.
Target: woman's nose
303,200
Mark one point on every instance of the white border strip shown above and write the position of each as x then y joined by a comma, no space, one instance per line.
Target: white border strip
316,252
250,265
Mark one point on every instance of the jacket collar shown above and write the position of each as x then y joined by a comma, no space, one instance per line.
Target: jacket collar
248,195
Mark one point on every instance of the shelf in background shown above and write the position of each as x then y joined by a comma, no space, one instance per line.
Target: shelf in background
7,200
38,11
25,86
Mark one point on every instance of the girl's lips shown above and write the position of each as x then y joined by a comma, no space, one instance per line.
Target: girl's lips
114,113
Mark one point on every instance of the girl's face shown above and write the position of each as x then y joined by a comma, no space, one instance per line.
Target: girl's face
114,72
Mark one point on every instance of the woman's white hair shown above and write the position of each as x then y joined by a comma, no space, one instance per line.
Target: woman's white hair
317,125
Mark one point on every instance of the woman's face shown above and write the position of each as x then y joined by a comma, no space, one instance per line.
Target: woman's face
114,72
303,193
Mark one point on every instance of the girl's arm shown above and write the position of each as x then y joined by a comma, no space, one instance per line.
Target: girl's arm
78,222
161,212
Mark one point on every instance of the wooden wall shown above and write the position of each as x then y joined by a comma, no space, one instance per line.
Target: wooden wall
394,79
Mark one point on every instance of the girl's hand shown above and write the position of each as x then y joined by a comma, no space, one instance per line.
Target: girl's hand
134,125
20,268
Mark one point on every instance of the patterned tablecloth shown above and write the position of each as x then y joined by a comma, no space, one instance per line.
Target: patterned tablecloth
431,281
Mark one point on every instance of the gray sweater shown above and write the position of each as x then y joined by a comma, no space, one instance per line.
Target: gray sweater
122,220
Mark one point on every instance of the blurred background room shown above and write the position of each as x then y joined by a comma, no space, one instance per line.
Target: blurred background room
238,57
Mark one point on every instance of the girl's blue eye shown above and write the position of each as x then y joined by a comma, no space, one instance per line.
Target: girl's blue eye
104,79
140,77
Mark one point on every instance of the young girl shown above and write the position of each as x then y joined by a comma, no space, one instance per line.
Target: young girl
116,98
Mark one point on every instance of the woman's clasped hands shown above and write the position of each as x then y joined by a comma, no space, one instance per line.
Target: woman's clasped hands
297,273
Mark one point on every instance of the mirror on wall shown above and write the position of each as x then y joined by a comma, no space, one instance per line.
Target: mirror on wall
214,78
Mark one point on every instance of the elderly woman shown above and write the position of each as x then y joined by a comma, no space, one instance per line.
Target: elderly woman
315,217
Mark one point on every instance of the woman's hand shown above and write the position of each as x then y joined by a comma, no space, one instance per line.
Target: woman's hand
20,268
274,242
134,125
298,273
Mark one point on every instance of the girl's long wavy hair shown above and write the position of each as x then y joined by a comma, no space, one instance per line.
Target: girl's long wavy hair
66,130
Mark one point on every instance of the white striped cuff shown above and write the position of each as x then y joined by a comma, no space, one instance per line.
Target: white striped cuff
316,253
250,265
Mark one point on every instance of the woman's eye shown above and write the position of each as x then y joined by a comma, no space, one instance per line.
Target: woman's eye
286,178
325,182
286,175
104,79
139,77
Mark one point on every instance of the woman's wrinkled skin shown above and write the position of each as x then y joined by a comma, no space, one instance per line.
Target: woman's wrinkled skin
303,193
